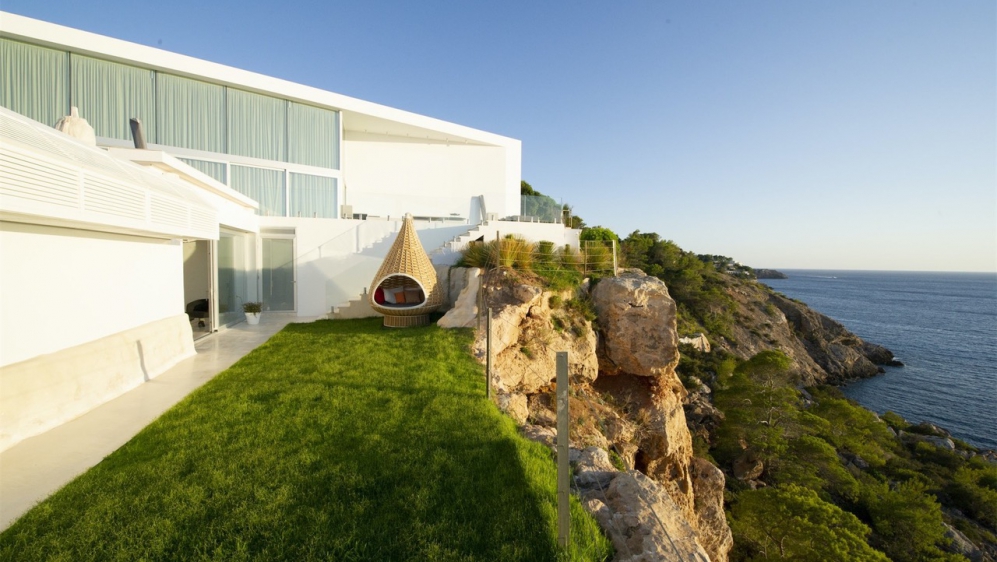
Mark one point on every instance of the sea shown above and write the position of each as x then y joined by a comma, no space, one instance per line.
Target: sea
942,326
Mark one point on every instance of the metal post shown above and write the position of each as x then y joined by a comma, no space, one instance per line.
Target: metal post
488,353
563,498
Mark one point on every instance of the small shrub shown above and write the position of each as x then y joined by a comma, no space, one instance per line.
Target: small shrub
526,351
617,461
555,302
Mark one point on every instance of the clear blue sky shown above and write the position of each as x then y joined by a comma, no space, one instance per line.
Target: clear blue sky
834,134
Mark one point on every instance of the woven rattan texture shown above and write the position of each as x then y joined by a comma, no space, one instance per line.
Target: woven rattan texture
407,257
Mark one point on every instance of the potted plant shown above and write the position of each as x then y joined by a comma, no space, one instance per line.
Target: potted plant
253,311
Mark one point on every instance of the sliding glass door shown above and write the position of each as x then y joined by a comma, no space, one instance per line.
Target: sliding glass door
278,274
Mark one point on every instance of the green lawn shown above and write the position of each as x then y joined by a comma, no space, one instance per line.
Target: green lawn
336,440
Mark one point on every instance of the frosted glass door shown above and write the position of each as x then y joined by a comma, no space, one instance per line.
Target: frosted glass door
278,274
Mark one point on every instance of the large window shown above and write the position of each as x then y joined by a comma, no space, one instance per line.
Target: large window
110,94
213,169
313,136
191,113
34,81
257,125
312,196
43,84
264,186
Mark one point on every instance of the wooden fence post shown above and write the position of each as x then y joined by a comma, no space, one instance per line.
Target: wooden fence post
488,353
563,475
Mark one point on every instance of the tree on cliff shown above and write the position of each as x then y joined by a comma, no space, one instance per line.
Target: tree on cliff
792,522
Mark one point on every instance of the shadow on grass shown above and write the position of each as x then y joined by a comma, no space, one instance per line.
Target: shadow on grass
335,440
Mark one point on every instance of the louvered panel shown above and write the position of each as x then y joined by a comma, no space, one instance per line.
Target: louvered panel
12,129
94,159
29,178
203,220
168,211
114,198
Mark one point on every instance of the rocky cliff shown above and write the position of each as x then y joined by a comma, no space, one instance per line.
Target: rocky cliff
822,349
630,442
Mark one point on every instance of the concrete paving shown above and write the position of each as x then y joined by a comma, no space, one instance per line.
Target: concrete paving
38,466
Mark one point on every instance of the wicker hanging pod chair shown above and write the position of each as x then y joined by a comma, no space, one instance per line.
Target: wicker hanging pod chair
405,289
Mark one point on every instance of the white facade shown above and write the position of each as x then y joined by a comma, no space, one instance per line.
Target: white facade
106,252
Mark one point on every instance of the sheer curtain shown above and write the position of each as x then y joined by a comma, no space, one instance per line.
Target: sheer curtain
109,94
191,113
263,185
257,125
314,136
313,196
34,81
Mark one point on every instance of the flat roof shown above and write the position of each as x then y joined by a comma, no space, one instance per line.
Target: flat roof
358,115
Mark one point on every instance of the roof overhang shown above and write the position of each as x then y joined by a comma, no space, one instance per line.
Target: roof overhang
358,115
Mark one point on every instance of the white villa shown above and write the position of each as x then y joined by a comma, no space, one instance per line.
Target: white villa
113,259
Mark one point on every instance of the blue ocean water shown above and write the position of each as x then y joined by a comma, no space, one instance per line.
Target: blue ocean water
943,326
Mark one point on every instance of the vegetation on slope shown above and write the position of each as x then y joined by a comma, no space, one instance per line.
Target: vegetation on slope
837,482
335,440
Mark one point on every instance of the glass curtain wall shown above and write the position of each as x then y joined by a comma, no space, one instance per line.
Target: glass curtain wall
264,186
236,274
34,81
312,196
191,113
110,94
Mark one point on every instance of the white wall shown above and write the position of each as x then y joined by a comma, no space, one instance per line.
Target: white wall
387,175
335,260
61,287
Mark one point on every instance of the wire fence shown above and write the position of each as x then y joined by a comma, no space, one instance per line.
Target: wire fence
590,257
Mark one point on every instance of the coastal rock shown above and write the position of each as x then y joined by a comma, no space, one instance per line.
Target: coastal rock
840,354
644,523
636,316
593,471
938,441
697,341
748,467
708,487
962,545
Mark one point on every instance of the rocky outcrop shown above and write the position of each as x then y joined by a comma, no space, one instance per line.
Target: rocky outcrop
637,324
823,351
697,341
708,488
626,398
643,522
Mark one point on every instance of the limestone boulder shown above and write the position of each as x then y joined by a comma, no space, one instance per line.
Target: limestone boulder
708,487
697,341
464,313
636,324
643,522
515,405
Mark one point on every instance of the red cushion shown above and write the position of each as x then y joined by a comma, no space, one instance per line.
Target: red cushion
379,296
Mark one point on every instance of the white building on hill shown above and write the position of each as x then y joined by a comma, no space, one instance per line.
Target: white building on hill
249,188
